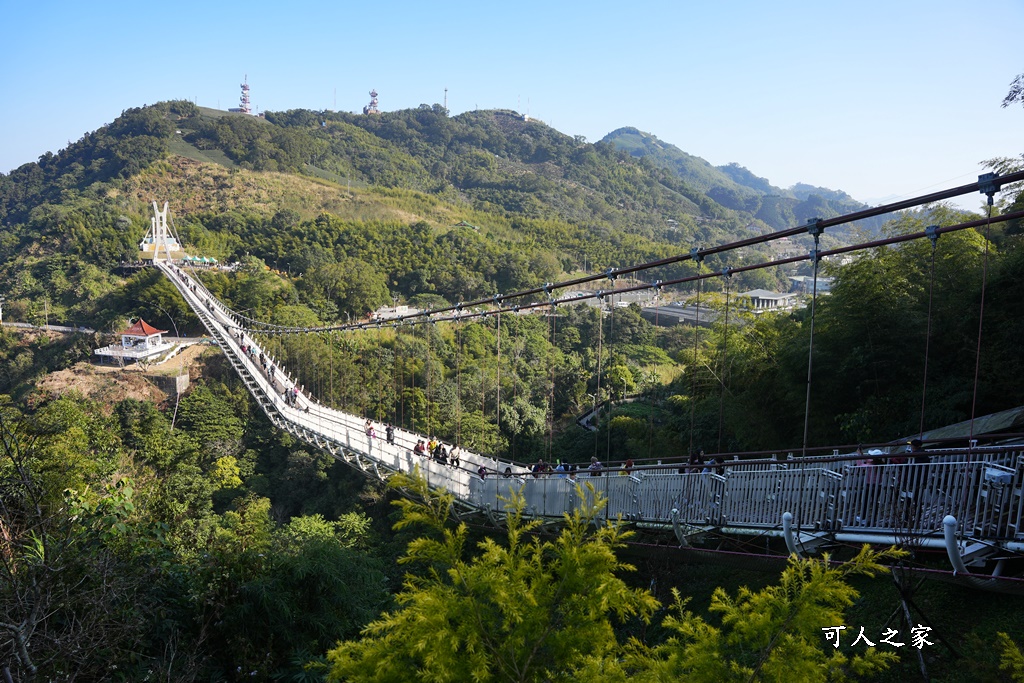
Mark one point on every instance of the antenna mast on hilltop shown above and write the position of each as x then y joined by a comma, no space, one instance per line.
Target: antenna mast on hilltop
371,108
446,100
244,107
244,102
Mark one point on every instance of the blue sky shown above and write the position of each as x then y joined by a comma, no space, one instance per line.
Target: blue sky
879,99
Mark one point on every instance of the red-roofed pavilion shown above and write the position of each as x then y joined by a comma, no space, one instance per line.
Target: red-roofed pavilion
139,341
142,330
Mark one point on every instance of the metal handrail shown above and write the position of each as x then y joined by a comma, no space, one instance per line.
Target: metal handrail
842,495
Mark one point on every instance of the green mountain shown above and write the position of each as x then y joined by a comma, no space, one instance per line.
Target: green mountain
197,540
735,187
496,161
303,189
695,171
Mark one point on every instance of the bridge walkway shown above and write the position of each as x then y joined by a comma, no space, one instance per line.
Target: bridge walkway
830,499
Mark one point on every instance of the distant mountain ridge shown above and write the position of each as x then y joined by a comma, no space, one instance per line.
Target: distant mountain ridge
736,187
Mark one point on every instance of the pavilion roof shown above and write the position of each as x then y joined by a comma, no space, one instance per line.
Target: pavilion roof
142,329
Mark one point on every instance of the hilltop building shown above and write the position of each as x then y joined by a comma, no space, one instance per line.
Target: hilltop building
761,300
804,284
392,312
679,314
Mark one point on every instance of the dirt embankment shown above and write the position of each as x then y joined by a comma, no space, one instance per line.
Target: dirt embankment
109,384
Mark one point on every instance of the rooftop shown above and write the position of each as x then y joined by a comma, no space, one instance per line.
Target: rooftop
142,329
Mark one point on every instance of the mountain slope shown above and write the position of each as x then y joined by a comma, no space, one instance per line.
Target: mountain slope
737,188
303,190
693,170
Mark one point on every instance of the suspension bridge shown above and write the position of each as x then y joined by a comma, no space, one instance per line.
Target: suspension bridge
966,501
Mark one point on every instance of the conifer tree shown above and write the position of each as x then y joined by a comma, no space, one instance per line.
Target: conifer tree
775,634
529,610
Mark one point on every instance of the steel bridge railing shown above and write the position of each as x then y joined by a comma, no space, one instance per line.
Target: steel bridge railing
858,500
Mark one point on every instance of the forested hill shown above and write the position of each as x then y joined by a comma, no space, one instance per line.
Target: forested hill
196,540
457,207
735,187
419,202
494,160
501,162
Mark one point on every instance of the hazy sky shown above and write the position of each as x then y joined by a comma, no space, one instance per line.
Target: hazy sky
879,99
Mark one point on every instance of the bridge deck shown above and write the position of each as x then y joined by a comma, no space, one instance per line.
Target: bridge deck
841,500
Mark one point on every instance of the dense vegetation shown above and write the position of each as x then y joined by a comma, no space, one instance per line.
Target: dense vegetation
527,203
135,543
735,386
193,541
536,610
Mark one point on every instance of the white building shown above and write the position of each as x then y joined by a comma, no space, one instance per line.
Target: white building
138,342
761,300
804,284
392,312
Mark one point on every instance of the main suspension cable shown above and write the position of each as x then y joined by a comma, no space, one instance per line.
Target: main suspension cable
460,312
990,180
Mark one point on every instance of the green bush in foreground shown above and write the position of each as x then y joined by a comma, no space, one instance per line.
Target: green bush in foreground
552,610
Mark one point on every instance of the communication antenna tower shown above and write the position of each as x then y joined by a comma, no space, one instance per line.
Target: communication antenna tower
371,108
244,106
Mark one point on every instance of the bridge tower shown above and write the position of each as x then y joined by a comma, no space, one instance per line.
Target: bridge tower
159,244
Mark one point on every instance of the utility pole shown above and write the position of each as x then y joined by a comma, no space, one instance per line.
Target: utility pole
1,311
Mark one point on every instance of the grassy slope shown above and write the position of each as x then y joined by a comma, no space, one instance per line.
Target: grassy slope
180,147
193,186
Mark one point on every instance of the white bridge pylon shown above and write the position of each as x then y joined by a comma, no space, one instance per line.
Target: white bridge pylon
823,499
159,238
